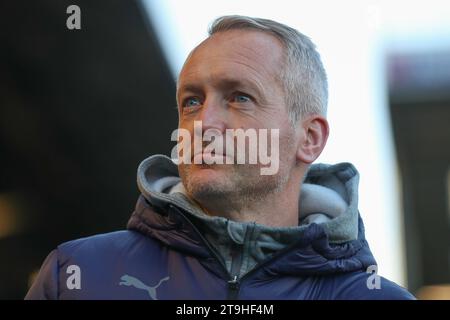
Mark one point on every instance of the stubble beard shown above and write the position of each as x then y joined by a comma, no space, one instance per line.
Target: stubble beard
236,186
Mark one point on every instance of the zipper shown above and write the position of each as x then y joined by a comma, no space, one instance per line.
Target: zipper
207,245
234,281
236,263
233,288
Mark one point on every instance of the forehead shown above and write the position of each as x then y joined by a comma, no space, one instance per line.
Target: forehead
235,52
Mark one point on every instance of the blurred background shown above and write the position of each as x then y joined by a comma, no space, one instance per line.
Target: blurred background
79,110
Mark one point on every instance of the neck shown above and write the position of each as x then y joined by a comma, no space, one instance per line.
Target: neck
277,209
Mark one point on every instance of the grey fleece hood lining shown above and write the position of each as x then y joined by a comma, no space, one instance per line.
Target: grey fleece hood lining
317,203
321,201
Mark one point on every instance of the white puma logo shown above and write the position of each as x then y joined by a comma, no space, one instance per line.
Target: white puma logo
135,282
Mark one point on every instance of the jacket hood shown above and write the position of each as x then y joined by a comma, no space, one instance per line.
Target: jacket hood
329,238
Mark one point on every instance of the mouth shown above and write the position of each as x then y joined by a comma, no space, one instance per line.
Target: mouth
209,158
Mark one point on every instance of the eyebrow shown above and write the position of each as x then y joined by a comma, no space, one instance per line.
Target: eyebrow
226,83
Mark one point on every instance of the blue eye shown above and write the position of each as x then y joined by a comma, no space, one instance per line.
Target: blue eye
191,102
242,98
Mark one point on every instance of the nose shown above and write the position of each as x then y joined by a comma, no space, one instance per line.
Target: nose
213,115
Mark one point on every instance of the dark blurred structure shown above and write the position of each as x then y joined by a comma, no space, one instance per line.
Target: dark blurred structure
419,86
79,110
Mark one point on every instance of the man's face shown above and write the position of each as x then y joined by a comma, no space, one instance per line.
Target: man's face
231,81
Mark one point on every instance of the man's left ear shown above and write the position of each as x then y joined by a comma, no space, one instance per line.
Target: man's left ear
313,133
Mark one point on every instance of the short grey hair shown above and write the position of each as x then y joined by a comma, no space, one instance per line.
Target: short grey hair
304,78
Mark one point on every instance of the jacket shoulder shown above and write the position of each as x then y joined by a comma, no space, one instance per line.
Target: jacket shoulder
90,254
112,241
367,286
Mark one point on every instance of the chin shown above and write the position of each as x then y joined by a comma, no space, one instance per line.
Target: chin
204,180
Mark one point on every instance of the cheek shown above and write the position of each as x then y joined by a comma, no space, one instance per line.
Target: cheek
185,172
182,170
186,124
287,145
274,117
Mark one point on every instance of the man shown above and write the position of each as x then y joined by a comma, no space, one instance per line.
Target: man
214,228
